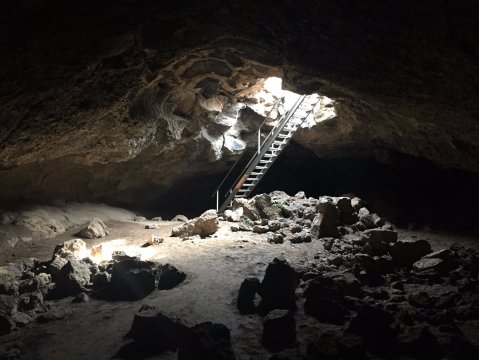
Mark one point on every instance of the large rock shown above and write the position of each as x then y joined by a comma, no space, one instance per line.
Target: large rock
204,225
70,249
248,208
206,341
326,222
279,330
170,277
374,325
94,229
132,280
426,264
325,294
153,329
267,208
10,276
246,294
72,278
405,253
278,287
41,282
8,306
347,214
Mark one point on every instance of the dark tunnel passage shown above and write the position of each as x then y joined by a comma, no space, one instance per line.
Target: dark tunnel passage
409,191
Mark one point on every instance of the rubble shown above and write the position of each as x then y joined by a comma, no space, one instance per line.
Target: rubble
387,296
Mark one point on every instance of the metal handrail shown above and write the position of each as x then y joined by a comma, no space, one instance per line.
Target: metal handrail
275,106
233,189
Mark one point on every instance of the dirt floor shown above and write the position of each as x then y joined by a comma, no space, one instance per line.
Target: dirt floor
215,267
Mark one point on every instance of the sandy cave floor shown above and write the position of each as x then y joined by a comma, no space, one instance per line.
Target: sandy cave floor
215,267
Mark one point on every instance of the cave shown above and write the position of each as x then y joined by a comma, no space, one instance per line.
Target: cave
135,224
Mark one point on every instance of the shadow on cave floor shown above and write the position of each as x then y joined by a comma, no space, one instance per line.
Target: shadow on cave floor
409,191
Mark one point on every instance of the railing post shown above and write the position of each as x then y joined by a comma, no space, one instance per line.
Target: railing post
217,201
259,141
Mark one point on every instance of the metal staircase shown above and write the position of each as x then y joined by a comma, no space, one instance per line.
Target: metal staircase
241,180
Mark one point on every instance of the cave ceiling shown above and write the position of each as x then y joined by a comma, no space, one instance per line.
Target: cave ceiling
98,98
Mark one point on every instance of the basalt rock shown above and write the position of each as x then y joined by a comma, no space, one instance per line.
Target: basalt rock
95,229
206,341
278,287
405,253
204,225
246,295
279,330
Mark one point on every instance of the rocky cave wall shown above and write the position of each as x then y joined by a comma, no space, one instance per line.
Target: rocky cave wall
123,101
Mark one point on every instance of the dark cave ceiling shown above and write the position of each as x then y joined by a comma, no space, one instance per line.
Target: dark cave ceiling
99,98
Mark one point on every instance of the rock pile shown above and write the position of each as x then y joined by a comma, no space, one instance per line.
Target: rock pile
370,292
24,288
154,332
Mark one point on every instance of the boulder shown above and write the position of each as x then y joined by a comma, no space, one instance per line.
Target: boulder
326,310
31,303
204,225
374,325
325,223
131,280
300,195
56,265
180,217
70,249
279,330
153,329
325,294
170,277
427,264
157,218
301,237
72,278
405,253
274,225
10,276
101,280
347,214
260,229
248,208
366,220
275,239
139,218
94,229
8,306
206,341
245,224
41,282
234,215
246,295
278,287
80,298
267,209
